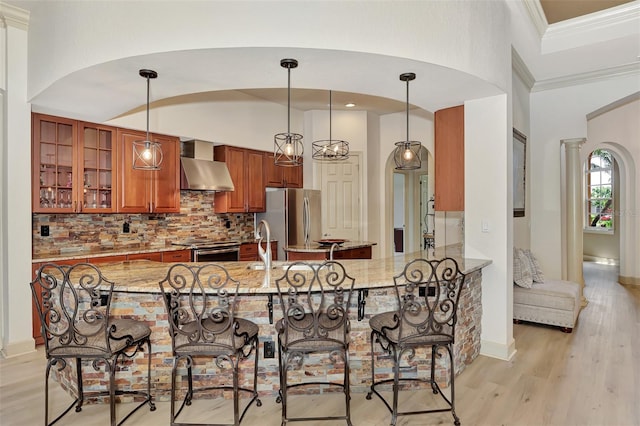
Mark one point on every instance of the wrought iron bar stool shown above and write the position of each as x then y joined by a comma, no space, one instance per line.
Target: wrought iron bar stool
201,302
73,303
315,320
427,292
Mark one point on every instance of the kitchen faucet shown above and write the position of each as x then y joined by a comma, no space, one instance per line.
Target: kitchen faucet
265,255
333,247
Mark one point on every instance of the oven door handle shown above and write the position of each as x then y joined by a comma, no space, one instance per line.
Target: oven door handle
201,252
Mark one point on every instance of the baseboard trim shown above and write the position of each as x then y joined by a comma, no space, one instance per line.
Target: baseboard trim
18,348
628,280
498,350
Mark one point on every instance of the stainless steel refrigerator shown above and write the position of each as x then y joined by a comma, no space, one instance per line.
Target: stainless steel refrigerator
293,216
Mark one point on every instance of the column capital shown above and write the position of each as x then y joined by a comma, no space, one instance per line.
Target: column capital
573,143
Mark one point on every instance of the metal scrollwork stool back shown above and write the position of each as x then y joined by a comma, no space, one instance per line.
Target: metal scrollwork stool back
73,303
427,293
315,320
201,302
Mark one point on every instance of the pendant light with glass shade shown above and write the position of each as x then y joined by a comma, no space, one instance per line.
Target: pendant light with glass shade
330,149
147,154
288,147
407,152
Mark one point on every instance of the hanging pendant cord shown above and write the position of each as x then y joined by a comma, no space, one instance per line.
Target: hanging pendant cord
289,102
330,117
407,111
147,108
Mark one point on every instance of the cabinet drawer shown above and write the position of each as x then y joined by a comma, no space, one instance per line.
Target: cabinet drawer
155,256
361,253
177,256
248,252
107,259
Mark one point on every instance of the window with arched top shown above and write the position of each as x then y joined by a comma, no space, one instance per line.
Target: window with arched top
599,191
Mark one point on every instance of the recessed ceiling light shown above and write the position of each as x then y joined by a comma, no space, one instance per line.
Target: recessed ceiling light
350,105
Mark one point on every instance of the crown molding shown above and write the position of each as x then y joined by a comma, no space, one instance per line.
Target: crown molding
620,102
536,13
608,24
13,16
521,69
587,77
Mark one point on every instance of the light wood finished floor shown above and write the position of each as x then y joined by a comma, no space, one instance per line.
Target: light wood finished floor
589,377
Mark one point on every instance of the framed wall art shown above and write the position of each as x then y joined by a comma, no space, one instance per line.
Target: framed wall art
519,172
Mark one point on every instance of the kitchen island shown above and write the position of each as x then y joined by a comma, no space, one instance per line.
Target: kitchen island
137,295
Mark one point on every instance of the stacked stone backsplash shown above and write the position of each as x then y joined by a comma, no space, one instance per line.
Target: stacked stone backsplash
69,233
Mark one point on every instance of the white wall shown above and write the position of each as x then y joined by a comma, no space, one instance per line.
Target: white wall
555,115
488,161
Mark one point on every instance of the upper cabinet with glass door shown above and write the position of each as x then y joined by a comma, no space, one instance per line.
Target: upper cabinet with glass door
53,155
72,166
96,162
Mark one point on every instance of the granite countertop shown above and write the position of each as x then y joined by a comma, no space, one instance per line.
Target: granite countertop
143,276
319,248
73,254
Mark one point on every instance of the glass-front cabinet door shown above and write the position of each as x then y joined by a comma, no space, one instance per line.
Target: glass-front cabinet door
96,162
54,140
73,165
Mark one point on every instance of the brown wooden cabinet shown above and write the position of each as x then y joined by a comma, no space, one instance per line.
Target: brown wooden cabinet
155,256
246,170
249,251
176,256
73,166
352,253
449,159
144,191
281,176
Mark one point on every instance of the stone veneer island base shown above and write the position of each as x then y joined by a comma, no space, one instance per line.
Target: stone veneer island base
137,296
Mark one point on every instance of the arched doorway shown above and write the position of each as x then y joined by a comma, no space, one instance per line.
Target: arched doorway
411,212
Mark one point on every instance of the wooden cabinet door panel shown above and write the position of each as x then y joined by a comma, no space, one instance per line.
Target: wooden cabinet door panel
166,182
97,166
449,159
272,174
254,175
232,201
292,176
133,193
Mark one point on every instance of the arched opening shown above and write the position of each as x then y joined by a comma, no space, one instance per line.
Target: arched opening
410,206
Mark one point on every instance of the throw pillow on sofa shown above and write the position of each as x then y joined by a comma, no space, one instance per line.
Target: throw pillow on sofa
522,274
534,265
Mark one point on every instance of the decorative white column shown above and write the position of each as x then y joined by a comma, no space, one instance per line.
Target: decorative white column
574,212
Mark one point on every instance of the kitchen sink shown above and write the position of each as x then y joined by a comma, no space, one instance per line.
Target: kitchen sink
259,266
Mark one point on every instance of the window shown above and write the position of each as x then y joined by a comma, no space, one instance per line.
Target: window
599,179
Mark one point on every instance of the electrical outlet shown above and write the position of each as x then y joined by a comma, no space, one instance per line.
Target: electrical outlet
125,227
44,230
269,349
429,291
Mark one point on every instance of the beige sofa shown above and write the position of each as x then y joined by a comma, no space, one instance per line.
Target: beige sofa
537,299
552,302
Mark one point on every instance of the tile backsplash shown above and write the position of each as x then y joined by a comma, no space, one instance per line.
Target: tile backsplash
70,233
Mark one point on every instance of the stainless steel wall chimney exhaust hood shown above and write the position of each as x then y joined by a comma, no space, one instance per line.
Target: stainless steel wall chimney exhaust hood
199,171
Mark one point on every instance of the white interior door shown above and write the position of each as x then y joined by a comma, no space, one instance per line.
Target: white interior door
340,184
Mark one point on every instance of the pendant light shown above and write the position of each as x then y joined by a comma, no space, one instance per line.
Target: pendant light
288,147
147,154
407,152
330,149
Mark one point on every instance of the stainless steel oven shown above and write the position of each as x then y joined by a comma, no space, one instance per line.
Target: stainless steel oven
212,251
